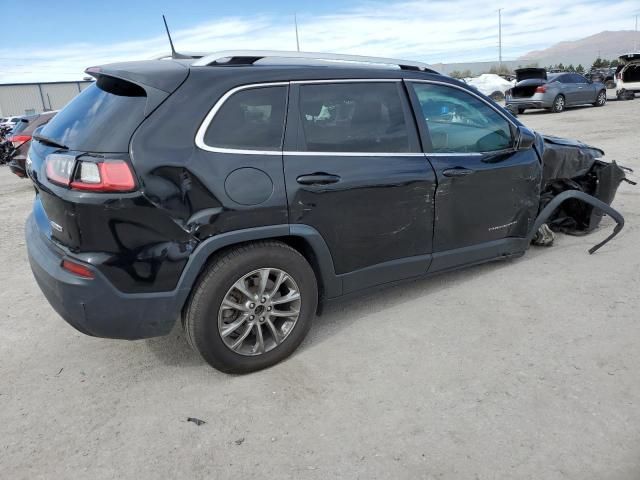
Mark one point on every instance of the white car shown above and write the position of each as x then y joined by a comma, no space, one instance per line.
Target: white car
11,121
628,75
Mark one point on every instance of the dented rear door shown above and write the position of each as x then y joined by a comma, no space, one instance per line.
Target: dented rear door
355,173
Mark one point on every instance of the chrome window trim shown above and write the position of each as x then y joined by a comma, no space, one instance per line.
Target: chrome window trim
352,154
199,140
200,143
347,80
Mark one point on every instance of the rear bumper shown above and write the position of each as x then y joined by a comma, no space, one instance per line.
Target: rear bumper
17,167
94,306
516,103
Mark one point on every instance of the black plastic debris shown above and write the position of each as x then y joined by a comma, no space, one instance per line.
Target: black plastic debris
572,166
544,237
197,421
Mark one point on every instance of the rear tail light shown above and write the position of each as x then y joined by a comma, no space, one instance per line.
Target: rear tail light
103,176
541,89
18,140
77,269
59,168
619,75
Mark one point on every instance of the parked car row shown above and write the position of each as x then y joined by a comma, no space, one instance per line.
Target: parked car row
555,91
535,88
628,76
16,140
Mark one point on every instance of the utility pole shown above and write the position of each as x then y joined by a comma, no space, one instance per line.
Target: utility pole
295,21
500,39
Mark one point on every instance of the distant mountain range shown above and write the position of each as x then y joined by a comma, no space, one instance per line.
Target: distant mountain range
606,44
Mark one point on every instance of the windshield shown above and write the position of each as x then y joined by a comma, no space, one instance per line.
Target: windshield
100,119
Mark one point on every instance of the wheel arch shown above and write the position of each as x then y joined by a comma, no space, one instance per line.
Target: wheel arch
303,238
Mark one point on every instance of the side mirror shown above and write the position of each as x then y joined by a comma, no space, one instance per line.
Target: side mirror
526,138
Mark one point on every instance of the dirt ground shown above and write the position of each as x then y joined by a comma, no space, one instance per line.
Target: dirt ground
513,370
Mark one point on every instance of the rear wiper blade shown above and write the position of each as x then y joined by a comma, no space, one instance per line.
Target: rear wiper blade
50,141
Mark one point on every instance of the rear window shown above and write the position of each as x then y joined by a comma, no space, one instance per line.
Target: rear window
20,126
100,119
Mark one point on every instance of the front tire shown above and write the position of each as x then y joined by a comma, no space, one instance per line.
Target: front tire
601,99
559,104
252,307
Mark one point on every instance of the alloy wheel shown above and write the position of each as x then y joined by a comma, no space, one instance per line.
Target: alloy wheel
259,311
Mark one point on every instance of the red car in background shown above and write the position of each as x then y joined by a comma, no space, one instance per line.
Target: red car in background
21,140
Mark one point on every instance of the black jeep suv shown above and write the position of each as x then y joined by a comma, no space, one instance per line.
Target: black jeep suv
239,191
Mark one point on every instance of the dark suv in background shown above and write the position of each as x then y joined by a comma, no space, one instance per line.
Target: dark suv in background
239,190
21,140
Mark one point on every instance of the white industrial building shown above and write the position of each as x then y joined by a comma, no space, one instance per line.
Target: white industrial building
30,98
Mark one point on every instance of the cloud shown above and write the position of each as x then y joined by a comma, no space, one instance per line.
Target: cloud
434,31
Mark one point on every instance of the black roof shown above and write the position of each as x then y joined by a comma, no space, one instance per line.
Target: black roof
167,75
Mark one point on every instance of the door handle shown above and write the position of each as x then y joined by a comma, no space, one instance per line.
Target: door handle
457,172
317,179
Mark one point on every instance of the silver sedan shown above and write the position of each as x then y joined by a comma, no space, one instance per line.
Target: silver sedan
555,91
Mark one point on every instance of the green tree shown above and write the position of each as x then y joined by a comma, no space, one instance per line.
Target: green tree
560,67
580,69
614,63
503,70
571,68
456,74
597,63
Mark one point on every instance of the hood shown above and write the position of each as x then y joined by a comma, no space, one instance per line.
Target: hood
531,73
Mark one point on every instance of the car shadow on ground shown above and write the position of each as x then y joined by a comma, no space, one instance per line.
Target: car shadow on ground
174,350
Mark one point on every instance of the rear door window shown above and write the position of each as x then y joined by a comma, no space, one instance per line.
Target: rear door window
576,78
100,119
459,122
251,119
353,117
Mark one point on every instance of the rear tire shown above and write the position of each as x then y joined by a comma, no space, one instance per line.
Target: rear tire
601,99
521,110
559,104
271,336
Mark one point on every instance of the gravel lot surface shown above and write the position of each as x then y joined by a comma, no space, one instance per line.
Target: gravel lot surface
512,370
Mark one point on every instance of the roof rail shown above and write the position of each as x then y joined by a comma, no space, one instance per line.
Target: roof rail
249,57
167,56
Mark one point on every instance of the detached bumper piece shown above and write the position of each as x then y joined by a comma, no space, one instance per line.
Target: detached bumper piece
577,190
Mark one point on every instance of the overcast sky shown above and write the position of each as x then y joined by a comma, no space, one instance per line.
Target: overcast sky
56,40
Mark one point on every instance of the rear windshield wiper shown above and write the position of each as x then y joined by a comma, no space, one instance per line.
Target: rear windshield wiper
50,141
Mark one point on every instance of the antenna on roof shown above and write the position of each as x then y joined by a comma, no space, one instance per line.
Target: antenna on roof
174,54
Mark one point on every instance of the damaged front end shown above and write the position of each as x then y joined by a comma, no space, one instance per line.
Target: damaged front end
578,187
